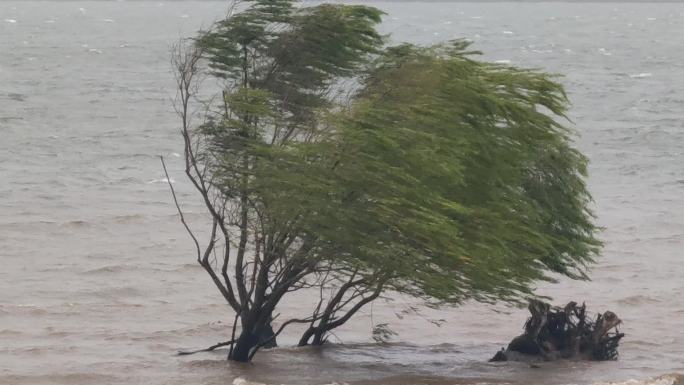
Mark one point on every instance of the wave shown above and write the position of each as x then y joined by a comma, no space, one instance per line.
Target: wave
422,380
115,292
130,218
162,180
71,378
76,223
242,381
29,309
637,300
188,267
110,269
7,333
668,379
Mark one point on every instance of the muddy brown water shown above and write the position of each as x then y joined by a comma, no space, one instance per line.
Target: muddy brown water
97,280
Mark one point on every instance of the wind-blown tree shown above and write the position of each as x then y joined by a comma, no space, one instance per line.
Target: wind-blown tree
332,164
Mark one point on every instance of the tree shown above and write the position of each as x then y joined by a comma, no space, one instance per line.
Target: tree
331,163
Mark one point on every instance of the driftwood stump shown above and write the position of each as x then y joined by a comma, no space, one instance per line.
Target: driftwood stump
564,333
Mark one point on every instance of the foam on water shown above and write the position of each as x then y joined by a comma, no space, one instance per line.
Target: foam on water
670,379
162,180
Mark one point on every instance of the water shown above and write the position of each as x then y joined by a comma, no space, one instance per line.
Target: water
98,284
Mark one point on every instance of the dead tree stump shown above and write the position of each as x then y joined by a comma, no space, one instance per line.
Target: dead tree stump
564,333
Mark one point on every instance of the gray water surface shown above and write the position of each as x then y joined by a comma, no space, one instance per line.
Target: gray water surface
97,278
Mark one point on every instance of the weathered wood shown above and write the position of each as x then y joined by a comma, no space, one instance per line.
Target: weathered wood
564,333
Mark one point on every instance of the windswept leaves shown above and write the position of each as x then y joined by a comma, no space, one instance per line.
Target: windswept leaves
440,175
447,173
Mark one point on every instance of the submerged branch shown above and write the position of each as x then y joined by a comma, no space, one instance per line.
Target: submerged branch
209,349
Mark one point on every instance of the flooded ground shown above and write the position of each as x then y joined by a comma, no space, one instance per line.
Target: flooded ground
98,283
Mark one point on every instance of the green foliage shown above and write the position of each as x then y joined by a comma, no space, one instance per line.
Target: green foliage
295,54
440,176
449,175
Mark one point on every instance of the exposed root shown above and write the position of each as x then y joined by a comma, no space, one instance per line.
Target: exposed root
564,333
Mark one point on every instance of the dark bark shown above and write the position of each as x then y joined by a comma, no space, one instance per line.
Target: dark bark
252,339
245,344
564,333
330,319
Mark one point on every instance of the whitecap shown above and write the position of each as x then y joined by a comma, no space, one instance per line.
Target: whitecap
94,50
82,10
604,52
11,21
185,16
507,32
108,20
663,380
476,17
177,155
242,381
641,75
651,19
504,61
162,180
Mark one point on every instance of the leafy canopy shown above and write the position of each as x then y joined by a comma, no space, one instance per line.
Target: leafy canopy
448,174
333,160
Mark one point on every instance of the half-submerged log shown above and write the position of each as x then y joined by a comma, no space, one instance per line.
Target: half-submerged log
564,333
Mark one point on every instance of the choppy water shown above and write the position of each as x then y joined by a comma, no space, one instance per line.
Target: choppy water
97,280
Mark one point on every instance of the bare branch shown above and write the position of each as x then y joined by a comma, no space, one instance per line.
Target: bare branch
180,212
209,349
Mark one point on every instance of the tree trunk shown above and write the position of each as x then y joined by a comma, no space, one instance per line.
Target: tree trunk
315,336
304,341
245,344
249,340
319,338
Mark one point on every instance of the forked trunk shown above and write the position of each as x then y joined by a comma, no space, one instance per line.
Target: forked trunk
313,336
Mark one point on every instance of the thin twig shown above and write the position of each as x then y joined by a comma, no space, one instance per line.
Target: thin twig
180,212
